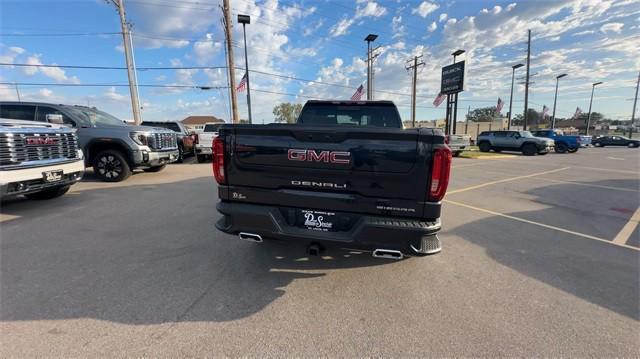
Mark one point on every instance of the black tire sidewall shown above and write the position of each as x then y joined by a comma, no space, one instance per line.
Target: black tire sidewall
562,148
126,171
529,149
484,146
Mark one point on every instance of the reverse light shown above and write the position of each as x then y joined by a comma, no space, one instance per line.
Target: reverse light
440,171
218,160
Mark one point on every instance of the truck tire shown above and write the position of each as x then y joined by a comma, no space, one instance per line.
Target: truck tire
573,150
49,193
456,153
201,158
155,169
111,166
484,146
598,144
180,155
562,147
529,149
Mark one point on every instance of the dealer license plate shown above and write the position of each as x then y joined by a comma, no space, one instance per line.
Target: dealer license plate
52,176
317,220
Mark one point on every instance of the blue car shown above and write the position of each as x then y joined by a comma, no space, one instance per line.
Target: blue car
563,143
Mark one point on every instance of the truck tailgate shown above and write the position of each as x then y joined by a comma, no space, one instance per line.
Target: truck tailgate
374,170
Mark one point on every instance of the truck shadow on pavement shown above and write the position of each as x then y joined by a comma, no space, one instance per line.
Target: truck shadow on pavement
144,254
602,274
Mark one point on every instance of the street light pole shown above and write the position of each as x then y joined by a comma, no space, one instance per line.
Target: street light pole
244,20
593,87
455,97
513,76
369,39
555,98
635,101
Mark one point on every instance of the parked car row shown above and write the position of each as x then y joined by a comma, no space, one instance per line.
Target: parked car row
42,146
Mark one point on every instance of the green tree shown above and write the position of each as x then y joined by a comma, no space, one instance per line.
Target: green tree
483,114
287,112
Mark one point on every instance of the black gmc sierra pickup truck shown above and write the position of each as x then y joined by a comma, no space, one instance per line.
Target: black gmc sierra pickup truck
346,173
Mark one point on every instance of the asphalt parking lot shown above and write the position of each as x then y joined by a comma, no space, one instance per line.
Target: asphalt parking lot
540,257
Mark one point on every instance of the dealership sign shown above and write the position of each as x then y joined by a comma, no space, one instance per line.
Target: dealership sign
452,78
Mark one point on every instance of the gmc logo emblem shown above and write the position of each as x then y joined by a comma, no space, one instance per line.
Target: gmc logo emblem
322,156
42,141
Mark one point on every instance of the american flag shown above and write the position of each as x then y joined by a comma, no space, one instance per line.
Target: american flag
577,113
243,84
545,111
358,94
500,105
439,99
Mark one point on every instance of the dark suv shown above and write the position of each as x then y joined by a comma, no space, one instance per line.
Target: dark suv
186,140
112,147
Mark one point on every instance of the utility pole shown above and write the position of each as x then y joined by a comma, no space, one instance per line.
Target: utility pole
513,76
19,100
593,88
226,9
126,42
369,39
526,85
635,101
414,68
555,100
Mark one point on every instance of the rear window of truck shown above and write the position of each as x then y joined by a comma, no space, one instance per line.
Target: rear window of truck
350,115
211,128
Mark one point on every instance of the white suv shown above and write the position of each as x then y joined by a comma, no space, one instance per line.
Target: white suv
38,160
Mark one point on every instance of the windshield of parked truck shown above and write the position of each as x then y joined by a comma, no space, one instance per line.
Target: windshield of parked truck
331,114
525,134
93,116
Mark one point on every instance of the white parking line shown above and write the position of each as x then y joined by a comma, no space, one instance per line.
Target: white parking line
578,234
506,180
606,170
626,231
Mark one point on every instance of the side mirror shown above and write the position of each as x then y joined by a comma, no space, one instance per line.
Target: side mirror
54,118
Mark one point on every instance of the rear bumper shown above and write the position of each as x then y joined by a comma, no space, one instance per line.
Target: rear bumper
544,148
409,236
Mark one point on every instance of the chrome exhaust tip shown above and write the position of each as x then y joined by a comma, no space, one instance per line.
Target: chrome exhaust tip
251,237
388,254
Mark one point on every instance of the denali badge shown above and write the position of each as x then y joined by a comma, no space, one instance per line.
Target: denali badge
319,184
324,156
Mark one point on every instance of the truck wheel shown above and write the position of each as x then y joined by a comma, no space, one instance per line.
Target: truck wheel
456,153
49,193
201,159
155,169
598,144
562,148
529,149
180,155
484,146
111,166
573,150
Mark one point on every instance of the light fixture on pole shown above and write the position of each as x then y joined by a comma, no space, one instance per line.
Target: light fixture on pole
555,99
593,87
513,76
244,20
456,54
369,39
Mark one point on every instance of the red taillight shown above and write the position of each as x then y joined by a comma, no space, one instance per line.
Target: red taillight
195,138
440,174
218,160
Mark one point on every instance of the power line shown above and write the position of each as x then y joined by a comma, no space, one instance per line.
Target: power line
67,34
199,87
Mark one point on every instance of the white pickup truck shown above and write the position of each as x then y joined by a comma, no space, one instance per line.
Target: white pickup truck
457,143
205,141
37,159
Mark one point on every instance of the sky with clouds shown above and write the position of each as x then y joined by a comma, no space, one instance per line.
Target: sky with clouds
303,49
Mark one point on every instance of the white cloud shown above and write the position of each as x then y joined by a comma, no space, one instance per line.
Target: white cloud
497,9
10,54
511,6
371,9
398,27
54,73
45,93
443,17
612,27
341,27
112,94
432,27
484,11
425,8
313,28
206,49
586,32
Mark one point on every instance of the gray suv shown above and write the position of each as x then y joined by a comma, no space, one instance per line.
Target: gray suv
521,141
112,147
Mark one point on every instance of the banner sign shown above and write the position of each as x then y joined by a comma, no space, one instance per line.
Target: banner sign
452,78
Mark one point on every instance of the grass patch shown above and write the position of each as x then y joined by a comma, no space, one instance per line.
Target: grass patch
478,154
